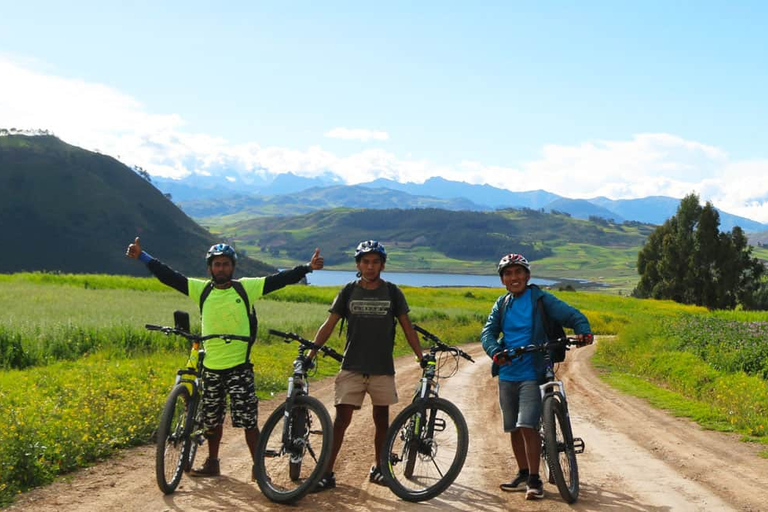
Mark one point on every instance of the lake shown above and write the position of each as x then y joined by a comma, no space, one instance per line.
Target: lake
340,277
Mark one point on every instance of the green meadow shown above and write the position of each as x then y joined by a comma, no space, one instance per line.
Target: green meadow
81,378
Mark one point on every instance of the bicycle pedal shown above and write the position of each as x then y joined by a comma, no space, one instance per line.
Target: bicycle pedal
271,454
578,445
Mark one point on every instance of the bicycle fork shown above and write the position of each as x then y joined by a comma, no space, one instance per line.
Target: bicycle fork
555,388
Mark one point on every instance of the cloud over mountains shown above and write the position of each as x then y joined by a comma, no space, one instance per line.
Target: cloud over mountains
99,117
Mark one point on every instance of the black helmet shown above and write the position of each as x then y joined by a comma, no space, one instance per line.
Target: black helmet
370,246
513,259
221,250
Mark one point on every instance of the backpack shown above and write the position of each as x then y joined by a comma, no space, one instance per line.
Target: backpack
552,329
346,294
253,322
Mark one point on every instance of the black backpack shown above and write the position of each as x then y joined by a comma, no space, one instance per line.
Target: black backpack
552,329
346,294
253,322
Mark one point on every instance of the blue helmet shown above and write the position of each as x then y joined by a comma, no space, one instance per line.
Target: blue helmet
221,250
370,246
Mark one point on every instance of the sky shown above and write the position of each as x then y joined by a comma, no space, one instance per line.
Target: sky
621,99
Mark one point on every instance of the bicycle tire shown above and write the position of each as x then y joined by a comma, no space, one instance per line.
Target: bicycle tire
441,449
308,450
558,443
173,441
299,424
195,431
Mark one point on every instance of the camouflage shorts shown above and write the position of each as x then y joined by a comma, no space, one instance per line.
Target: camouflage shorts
243,402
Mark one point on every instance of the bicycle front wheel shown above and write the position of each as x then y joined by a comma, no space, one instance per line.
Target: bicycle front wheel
294,450
173,442
558,444
424,450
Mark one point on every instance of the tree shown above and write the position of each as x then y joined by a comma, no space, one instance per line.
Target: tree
688,260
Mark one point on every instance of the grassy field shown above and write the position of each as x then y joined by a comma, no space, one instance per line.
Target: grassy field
80,377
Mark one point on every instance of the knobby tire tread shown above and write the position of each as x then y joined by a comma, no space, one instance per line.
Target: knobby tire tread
275,421
178,393
400,421
553,415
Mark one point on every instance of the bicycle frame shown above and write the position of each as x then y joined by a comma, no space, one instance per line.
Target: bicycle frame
180,430
296,439
427,442
558,446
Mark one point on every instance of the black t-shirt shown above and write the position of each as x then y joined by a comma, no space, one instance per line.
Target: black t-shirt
370,328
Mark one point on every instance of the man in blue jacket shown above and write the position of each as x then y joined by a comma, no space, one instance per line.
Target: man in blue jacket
515,322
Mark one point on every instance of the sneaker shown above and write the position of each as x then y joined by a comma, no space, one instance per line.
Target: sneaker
328,481
516,483
209,468
375,476
535,488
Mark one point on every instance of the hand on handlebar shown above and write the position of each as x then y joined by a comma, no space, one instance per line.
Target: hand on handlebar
501,358
585,339
423,362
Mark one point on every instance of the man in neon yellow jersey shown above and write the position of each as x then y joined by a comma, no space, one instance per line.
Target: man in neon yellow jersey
225,308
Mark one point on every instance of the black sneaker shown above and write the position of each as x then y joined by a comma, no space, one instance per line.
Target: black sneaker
209,468
516,483
535,488
375,476
328,481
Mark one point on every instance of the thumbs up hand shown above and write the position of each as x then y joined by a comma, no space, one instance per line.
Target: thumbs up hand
134,250
316,263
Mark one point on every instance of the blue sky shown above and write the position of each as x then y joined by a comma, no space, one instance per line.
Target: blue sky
621,99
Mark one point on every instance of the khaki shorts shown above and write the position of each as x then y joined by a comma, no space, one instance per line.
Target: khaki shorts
351,388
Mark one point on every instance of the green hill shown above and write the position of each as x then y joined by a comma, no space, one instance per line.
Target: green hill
433,240
66,209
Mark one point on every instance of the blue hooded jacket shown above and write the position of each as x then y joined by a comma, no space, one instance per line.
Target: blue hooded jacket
557,310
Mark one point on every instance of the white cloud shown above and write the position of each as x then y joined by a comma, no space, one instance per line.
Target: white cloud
357,134
94,116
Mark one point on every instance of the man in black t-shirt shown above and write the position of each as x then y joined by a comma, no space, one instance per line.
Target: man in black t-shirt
370,306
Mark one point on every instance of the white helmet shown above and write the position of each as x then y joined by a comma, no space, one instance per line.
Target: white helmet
513,259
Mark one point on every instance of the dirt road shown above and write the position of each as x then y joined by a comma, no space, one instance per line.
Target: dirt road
636,458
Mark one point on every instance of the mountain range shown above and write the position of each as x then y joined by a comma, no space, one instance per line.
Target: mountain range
288,194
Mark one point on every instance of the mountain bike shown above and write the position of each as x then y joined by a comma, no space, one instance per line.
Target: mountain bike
558,446
426,444
294,447
181,430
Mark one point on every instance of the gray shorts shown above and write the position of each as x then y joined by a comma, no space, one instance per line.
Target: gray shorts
520,404
243,402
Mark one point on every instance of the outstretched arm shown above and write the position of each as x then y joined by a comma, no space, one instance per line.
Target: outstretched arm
294,275
163,272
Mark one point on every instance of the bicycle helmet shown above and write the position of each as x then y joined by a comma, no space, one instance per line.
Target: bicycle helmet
370,246
513,259
221,250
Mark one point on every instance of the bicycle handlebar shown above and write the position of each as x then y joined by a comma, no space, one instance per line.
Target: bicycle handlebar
550,345
440,344
195,337
288,336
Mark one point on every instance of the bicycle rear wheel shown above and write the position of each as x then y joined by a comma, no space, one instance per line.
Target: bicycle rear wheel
293,452
424,450
558,444
173,442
